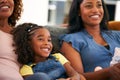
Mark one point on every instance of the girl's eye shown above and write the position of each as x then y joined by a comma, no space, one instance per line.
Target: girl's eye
49,40
40,39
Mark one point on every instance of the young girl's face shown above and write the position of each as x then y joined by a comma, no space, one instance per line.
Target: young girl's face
41,44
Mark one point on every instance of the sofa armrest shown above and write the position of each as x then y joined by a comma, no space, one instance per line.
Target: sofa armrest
114,25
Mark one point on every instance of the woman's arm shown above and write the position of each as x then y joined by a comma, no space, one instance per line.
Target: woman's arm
75,59
111,73
115,72
73,56
103,74
72,73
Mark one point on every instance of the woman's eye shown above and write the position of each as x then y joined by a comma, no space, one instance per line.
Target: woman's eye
99,5
88,6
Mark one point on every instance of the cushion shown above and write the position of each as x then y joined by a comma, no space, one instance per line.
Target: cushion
56,31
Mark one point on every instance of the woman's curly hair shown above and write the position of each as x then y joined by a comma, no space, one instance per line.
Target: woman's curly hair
16,12
22,34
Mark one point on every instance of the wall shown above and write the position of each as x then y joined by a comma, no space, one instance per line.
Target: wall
35,11
117,15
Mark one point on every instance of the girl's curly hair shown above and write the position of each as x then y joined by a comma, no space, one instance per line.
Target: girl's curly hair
16,12
21,36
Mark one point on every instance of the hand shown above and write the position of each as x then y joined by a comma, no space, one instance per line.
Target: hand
63,79
76,77
71,78
115,72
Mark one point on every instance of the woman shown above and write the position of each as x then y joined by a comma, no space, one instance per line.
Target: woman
10,12
89,40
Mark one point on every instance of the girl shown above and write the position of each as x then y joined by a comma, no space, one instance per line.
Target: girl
33,46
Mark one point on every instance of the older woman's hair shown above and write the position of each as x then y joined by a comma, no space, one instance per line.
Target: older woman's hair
16,12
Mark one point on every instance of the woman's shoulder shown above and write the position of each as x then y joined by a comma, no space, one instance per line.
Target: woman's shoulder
112,32
72,35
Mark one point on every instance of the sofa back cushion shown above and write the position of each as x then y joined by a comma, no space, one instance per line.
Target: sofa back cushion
56,31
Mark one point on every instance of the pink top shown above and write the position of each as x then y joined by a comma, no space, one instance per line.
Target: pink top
9,67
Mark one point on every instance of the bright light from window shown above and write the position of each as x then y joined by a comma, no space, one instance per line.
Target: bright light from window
35,11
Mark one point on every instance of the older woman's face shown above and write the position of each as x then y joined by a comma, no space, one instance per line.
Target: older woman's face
91,12
6,8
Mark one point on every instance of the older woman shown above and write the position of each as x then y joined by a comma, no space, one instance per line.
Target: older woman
10,12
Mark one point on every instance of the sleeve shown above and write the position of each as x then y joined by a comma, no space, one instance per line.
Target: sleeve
60,58
26,70
116,35
74,39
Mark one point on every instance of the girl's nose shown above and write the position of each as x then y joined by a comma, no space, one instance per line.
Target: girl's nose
46,42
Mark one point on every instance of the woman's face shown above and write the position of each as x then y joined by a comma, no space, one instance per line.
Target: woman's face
6,8
91,12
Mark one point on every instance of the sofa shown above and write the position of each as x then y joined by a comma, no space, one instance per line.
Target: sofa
114,25
58,30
